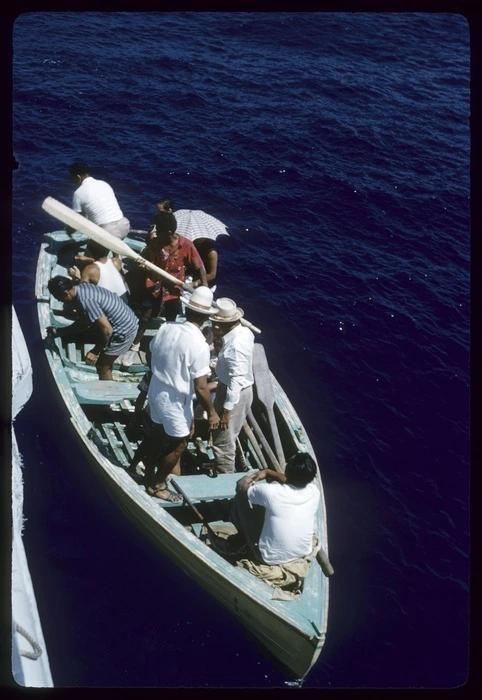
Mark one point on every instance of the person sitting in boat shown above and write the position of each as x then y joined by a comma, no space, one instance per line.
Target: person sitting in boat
275,513
234,369
95,199
174,254
104,271
102,311
180,368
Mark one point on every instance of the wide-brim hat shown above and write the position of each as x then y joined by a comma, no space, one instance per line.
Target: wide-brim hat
200,300
227,311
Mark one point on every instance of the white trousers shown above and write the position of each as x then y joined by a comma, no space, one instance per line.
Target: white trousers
224,441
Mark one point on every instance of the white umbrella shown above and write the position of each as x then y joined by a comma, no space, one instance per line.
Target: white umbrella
195,223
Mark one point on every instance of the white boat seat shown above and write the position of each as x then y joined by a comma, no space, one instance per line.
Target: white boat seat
105,391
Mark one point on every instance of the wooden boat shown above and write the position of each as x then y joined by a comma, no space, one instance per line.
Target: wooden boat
292,632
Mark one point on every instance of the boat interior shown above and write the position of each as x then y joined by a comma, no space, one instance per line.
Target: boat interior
266,441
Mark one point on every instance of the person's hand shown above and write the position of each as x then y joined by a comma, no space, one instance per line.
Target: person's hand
213,421
224,419
91,358
74,272
259,475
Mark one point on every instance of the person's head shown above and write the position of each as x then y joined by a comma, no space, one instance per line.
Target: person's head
226,316
165,205
166,225
199,305
61,288
300,469
204,245
78,172
98,251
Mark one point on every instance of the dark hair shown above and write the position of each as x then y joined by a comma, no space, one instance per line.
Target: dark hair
204,245
300,469
166,203
79,168
165,223
58,285
97,250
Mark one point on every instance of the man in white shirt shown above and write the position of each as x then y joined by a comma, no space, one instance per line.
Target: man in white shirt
95,199
180,367
234,370
275,513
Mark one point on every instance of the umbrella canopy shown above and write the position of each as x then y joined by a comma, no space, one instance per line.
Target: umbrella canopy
195,223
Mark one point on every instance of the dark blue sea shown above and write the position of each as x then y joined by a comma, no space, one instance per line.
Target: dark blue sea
336,148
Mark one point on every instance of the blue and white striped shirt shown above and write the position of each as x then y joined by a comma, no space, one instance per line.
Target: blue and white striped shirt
97,302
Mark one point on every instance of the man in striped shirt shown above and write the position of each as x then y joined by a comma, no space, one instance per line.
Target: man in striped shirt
102,311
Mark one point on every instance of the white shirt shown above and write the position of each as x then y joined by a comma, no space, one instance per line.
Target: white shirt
289,520
235,363
110,278
180,354
95,199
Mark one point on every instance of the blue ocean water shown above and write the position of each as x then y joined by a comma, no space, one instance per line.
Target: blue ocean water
335,147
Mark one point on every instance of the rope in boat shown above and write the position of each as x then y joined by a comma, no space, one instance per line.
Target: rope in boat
34,655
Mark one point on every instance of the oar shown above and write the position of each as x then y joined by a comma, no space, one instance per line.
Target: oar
104,238
255,445
197,513
264,389
264,442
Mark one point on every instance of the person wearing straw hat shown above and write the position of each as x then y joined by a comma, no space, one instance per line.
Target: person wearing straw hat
234,369
180,367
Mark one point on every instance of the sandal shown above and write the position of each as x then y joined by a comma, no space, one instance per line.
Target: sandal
171,496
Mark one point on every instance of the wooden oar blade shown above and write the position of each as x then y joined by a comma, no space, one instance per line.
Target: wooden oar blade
75,220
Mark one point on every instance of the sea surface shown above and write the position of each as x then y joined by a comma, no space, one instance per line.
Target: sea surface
336,148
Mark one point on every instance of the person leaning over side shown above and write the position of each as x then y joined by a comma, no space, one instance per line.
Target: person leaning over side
96,200
101,311
234,369
180,368
206,248
275,513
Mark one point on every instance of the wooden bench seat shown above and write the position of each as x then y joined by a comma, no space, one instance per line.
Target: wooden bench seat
105,392
201,487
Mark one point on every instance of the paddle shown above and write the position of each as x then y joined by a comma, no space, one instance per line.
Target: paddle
196,512
255,445
99,235
264,442
264,389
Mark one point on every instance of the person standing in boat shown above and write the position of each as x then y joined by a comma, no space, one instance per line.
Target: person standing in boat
106,272
174,254
275,513
102,311
234,369
180,367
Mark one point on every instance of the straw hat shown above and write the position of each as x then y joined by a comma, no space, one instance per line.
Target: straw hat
200,300
227,311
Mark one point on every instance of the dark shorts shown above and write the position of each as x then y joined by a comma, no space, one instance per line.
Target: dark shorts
158,443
